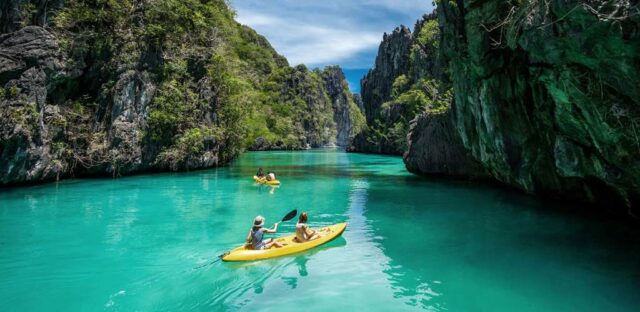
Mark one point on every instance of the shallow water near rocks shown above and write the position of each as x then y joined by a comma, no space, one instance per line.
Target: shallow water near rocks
147,242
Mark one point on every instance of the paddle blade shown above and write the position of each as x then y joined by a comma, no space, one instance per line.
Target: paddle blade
290,215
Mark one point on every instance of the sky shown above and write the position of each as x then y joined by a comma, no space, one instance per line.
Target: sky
327,32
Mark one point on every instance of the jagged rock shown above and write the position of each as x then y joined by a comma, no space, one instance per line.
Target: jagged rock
357,98
104,94
319,127
344,107
328,114
207,93
547,95
27,57
392,61
436,149
304,91
132,94
31,46
261,144
404,59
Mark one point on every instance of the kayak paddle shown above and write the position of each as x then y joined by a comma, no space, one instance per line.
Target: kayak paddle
290,215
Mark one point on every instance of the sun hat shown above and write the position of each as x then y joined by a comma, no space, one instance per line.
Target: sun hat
259,221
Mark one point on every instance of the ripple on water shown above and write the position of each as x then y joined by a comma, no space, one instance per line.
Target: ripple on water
147,243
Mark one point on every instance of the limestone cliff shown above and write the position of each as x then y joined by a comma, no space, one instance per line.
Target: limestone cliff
347,114
407,80
392,61
117,87
434,148
318,104
546,96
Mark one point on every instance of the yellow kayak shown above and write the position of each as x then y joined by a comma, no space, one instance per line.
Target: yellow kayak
242,253
264,181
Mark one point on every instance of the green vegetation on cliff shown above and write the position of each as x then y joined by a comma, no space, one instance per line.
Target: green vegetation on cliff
546,98
413,87
118,86
294,102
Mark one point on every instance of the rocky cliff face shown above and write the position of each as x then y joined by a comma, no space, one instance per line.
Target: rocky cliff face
120,87
51,130
321,108
376,87
546,97
436,149
29,60
392,61
407,80
346,113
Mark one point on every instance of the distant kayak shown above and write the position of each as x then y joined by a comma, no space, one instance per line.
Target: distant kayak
246,254
264,181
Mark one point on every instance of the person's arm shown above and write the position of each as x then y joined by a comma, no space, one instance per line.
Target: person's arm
249,237
273,230
309,231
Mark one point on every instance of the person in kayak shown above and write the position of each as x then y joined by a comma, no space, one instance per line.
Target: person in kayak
260,173
256,235
303,232
271,176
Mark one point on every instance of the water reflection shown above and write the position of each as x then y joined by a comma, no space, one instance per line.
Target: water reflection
410,244
302,265
263,188
406,286
302,260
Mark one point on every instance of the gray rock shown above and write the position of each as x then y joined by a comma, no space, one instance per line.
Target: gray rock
392,61
436,149
342,104
31,46
401,53
131,97
548,102
27,57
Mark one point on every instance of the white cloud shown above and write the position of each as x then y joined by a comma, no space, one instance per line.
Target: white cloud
257,20
333,47
405,6
310,44
318,33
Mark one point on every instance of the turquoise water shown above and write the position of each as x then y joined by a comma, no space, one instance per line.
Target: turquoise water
145,243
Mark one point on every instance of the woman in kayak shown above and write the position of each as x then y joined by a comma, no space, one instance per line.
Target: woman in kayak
303,232
271,176
256,235
260,173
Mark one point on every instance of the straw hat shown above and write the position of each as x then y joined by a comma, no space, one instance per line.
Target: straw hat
258,221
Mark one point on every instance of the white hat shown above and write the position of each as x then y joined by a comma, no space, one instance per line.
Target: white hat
258,221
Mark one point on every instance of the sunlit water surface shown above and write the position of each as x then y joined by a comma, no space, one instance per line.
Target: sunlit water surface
146,243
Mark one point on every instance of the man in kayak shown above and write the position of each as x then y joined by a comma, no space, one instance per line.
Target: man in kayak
256,235
303,232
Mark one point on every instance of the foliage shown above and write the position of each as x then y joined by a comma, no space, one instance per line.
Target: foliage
13,91
399,85
427,37
215,87
357,119
412,93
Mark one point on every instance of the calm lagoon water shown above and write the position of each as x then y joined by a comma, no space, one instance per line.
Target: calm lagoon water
146,243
